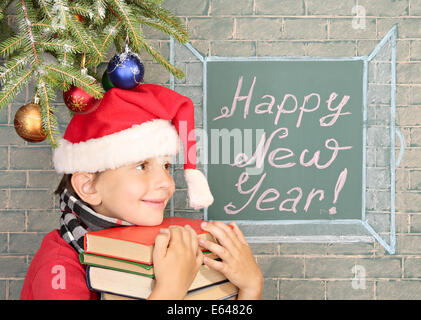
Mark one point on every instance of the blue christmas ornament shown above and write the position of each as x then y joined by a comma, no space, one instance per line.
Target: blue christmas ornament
125,70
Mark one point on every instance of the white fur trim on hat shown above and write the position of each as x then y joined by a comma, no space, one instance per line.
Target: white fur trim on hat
150,139
200,195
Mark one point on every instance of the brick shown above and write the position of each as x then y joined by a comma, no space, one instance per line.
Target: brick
342,28
415,8
411,158
156,74
408,201
281,48
302,248
402,179
258,29
388,267
188,8
15,287
343,290
415,179
12,179
330,7
4,199
392,8
398,290
328,268
12,220
360,248
25,243
31,199
407,28
43,220
270,289
220,28
180,199
222,7
415,223
281,267
408,73
414,96
30,158
415,50
412,267
4,242
308,29
3,284
264,248
406,116
332,49
407,244
4,157
4,114
9,136
301,290
281,8
12,267
233,48
43,179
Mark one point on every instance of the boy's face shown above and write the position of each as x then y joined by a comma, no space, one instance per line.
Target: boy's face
137,193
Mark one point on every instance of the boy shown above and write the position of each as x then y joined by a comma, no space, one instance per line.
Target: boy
116,163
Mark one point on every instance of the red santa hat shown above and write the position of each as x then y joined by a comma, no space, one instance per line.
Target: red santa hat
130,126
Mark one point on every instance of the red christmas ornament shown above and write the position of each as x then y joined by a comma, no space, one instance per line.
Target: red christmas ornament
78,101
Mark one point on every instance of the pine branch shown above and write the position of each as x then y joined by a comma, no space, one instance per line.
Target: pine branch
14,86
70,76
12,67
161,60
45,9
163,15
49,121
25,11
13,44
125,13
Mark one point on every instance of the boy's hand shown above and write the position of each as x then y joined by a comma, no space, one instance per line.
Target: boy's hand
177,259
238,263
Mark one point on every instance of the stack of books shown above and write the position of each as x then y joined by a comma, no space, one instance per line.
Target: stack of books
119,263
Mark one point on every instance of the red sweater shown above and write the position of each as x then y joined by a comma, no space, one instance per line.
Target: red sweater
56,273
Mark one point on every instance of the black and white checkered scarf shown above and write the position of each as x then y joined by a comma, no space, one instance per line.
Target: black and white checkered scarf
78,218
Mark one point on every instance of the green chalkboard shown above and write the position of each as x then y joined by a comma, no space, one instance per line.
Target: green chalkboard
302,121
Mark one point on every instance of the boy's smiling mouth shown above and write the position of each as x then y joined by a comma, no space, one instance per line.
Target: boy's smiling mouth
156,203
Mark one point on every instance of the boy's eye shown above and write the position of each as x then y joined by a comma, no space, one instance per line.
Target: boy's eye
141,166
168,166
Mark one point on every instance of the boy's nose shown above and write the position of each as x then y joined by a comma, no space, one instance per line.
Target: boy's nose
162,179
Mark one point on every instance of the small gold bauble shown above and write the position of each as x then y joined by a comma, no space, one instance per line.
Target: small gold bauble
28,124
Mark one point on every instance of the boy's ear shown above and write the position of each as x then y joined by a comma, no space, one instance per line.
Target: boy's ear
83,184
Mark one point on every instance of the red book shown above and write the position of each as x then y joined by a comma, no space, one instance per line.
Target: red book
135,243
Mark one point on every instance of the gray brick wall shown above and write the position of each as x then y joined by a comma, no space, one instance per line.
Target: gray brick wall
28,208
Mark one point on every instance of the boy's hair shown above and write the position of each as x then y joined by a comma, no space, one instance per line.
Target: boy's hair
66,183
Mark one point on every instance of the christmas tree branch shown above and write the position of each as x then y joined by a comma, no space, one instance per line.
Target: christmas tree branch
9,46
49,125
82,81
31,35
13,65
163,15
125,13
9,92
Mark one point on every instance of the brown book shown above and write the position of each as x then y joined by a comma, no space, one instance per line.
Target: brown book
135,243
138,286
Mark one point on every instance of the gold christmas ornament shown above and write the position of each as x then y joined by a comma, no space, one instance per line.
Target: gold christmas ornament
28,124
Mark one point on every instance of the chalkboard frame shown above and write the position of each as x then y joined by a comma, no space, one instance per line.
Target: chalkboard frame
320,231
